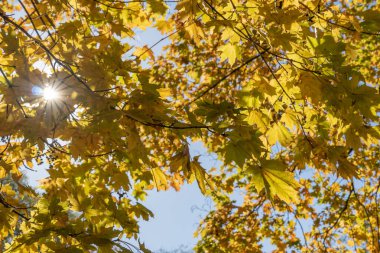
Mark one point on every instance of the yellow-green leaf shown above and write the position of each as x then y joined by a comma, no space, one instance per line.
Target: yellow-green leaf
272,176
278,132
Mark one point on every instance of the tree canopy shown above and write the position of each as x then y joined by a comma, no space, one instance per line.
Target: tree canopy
285,92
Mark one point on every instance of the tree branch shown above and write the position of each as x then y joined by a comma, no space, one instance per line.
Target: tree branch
47,50
224,78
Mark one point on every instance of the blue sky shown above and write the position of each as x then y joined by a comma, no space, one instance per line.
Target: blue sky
177,214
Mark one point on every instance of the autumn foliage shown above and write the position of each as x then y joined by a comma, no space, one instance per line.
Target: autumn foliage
285,92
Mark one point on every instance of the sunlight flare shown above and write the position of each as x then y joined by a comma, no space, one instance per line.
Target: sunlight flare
49,93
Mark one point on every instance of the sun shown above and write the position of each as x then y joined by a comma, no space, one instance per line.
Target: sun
50,93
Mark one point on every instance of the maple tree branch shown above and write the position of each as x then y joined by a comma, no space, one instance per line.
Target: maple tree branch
284,91
339,217
68,153
7,145
102,154
9,66
10,85
53,147
35,28
265,62
110,6
129,245
47,50
42,20
262,198
110,89
377,209
237,30
126,2
30,18
249,38
7,205
184,25
171,126
223,78
156,43
302,230
366,214
27,167
336,24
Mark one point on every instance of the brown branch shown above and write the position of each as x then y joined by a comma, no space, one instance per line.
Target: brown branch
302,230
47,28
377,210
266,63
235,29
223,78
30,18
171,126
7,146
366,214
7,205
340,215
184,25
47,50
10,85
336,24
68,153
42,20
110,89
102,154
53,147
